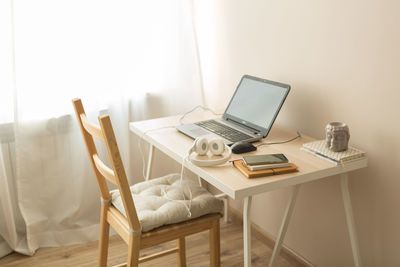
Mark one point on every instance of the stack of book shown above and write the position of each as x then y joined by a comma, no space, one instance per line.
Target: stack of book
319,149
264,165
266,161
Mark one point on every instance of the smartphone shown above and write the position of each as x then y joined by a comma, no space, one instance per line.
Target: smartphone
265,159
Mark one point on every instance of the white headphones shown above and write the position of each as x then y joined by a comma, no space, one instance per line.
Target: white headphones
217,147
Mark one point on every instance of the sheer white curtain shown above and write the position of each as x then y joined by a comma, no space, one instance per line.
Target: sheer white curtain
115,55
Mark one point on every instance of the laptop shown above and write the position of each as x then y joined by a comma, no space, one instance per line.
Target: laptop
250,113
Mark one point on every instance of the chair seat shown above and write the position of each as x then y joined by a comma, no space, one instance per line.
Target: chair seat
166,200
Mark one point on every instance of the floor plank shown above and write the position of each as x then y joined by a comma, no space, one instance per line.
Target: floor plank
197,252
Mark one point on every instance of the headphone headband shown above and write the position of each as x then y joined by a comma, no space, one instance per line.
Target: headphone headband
210,162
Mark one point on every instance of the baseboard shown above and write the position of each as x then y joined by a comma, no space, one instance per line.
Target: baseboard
268,240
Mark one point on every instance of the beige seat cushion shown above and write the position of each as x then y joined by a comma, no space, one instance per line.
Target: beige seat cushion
164,201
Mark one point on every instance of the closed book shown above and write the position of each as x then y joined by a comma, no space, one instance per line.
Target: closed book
268,166
262,173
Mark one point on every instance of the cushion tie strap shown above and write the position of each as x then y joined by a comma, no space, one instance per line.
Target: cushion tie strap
105,202
135,233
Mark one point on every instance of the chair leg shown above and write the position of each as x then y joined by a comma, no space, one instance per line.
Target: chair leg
182,252
133,251
104,237
215,260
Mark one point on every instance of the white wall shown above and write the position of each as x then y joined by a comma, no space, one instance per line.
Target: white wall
342,59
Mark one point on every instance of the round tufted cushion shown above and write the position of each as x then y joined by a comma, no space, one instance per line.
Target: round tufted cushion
166,200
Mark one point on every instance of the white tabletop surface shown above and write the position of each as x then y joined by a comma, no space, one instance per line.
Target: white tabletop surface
227,178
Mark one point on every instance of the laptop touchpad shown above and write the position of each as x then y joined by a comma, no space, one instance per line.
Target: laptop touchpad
198,131
192,130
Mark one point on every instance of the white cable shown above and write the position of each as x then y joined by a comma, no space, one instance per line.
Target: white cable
164,127
188,207
193,109
183,202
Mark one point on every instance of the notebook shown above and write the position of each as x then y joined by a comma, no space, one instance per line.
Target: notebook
319,148
249,115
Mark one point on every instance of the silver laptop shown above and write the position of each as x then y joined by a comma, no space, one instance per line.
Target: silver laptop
249,115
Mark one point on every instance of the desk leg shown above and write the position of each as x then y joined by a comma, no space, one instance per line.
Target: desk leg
284,226
149,162
226,209
224,198
200,181
247,231
350,219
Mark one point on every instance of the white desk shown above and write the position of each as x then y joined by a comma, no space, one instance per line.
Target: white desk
159,133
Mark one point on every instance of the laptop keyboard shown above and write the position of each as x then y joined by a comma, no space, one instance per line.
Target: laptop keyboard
224,131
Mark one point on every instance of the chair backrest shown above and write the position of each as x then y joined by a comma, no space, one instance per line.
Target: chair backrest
117,174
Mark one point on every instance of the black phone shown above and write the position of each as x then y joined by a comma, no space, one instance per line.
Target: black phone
265,159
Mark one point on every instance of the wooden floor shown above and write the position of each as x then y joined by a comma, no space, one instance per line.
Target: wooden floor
197,252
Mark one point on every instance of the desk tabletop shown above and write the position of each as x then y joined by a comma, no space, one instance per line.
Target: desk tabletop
161,133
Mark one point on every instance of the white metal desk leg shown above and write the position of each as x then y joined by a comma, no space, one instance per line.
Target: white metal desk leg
226,209
149,162
200,181
350,219
247,231
284,226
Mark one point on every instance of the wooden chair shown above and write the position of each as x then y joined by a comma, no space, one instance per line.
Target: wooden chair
129,227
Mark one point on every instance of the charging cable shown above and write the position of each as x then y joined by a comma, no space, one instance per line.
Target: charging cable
171,126
193,109
282,142
165,195
181,185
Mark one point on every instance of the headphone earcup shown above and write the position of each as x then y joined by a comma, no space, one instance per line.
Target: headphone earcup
216,146
201,146
212,162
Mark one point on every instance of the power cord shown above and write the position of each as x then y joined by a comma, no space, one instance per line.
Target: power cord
171,126
165,194
193,109
187,206
282,142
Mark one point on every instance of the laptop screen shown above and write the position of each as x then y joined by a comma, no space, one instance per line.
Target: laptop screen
256,103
